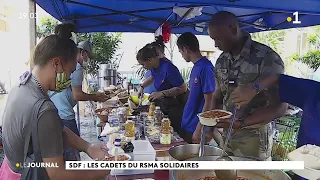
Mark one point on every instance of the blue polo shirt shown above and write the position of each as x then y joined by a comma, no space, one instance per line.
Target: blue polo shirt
202,82
64,100
149,89
166,76
303,93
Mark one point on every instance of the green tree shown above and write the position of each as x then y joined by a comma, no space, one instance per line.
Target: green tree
105,47
46,27
312,57
185,73
272,39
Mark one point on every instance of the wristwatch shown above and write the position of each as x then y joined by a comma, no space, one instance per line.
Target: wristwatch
256,86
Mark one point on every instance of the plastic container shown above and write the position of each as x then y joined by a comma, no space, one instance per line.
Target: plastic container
165,137
212,121
152,107
117,151
158,115
129,129
143,150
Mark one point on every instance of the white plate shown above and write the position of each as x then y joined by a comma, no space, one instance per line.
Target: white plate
212,121
307,172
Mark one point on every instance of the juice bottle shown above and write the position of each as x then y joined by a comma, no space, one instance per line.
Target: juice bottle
130,129
165,131
128,111
151,109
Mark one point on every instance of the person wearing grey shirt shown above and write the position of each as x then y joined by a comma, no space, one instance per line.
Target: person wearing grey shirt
69,97
54,59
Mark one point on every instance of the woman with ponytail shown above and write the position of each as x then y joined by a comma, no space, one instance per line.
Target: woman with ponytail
171,91
32,129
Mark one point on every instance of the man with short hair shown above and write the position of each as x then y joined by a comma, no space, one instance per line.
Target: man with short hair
201,86
244,61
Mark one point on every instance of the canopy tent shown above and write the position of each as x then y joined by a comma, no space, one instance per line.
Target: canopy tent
149,15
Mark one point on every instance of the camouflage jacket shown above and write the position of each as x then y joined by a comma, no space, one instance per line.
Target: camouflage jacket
254,60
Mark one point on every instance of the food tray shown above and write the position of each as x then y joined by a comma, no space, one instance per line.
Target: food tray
213,121
103,118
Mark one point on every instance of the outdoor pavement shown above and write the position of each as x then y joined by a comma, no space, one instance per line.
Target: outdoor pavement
88,133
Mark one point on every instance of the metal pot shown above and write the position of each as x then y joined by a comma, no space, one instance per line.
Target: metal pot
186,151
250,174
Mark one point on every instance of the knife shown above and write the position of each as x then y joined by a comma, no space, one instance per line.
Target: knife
140,100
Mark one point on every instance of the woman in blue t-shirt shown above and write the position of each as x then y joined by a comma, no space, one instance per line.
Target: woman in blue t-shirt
149,89
303,93
171,91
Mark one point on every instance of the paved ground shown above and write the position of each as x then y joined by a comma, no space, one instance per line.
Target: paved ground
88,133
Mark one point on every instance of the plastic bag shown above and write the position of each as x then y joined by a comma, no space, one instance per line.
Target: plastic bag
197,11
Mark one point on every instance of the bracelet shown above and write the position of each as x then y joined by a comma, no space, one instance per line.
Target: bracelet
163,94
141,86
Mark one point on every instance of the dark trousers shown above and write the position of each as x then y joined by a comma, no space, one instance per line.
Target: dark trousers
69,153
187,137
174,107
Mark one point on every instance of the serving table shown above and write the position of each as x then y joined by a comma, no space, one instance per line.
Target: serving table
161,155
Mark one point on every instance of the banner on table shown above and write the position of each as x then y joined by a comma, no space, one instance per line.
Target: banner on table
187,165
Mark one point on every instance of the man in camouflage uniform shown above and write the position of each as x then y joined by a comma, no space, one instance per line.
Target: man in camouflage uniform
243,61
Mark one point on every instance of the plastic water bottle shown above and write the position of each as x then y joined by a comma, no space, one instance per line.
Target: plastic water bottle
117,147
165,137
117,151
158,115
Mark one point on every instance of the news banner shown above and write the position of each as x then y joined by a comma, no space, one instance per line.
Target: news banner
187,165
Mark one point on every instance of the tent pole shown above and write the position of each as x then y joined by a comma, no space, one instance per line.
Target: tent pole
32,30
78,107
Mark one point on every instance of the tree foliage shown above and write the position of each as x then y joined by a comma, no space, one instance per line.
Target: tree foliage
46,27
105,45
311,58
185,73
270,38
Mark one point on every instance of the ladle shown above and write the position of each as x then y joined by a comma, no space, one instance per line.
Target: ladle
227,174
202,140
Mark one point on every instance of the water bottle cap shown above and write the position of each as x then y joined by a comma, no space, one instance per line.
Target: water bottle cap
117,140
165,116
158,108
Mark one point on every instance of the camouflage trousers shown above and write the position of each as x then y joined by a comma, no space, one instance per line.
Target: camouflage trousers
254,142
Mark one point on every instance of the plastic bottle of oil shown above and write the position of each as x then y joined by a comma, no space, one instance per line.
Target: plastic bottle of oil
152,107
130,129
165,131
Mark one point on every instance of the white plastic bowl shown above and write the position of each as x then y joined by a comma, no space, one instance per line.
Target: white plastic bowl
212,121
120,171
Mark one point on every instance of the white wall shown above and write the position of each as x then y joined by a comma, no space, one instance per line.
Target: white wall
15,43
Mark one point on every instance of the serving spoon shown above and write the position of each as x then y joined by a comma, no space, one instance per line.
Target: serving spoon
227,174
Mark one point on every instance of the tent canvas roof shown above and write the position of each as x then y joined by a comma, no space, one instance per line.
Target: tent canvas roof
148,15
